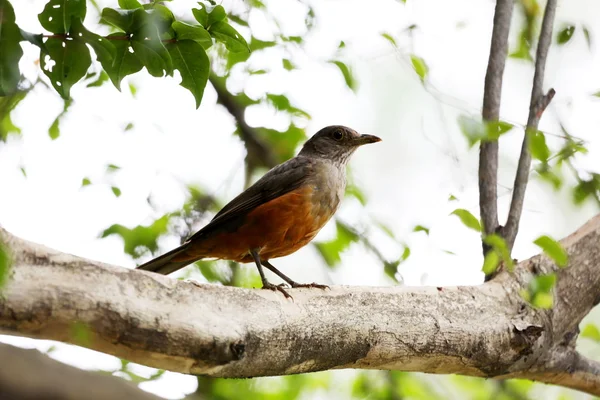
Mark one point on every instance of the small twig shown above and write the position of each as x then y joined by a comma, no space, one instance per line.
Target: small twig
538,104
488,154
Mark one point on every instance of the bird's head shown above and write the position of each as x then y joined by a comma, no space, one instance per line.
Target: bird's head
336,143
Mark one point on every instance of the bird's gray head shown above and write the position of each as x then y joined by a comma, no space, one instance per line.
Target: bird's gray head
335,143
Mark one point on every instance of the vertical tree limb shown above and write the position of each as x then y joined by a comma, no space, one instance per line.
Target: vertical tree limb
538,104
488,153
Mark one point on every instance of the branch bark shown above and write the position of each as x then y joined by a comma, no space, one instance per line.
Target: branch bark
486,330
33,375
537,105
488,152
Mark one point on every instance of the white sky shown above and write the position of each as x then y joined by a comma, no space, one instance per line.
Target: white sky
408,178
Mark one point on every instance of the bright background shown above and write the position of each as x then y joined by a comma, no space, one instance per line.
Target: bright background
408,178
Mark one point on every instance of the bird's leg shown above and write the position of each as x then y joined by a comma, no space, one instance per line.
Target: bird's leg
292,283
266,284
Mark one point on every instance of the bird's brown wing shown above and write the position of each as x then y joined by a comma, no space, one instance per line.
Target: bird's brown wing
278,181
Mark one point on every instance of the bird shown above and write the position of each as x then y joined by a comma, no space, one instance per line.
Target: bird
277,215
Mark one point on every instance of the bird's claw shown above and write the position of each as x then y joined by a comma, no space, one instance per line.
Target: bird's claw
277,288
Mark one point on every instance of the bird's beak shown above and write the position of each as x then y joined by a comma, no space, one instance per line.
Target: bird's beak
366,139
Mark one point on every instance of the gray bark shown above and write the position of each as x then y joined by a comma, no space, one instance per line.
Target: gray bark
485,330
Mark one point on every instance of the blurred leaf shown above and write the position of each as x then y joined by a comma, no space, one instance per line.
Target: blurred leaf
537,146
282,103
81,334
357,193
128,127
467,219
133,88
553,249
125,63
5,263
331,250
226,34
140,238
257,44
590,331
116,191
128,21
102,78
192,63
588,38
420,67
192,32
499,246
586,188
71,61
490,262
452,198
10,49
549,175
112,168
476,130
54,130
347,73
565,34
386,229
389,38
391,269
421,228
23,171
7,105
539,291
287,64
85,182
58,14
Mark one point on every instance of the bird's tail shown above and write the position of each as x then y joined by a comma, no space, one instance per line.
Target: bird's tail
170,262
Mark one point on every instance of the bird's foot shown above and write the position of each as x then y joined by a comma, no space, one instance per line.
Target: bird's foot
308,285
277,288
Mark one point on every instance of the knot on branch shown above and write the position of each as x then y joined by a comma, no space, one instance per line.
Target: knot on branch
525,338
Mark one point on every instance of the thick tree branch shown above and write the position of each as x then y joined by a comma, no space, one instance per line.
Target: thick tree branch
258,151
537,105
485,330
488,152
31,375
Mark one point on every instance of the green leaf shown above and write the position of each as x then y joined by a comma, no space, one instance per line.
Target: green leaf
282,103
537,146
85,182
102,78
196,33
499,246
10,49
539,291
57,15
128,21
549,174
476,130
216,15
553,249
421,228
588,38
543,300
5,263
72,60
420,67
153,55
225,33
389,38
37,40
104,49
192,62
347,74
590,331
452,197
565,34
116,191
140,238
467,219
586,188
201,15
287,64
125,63
357,193
54,130
112,168
490,262
130,4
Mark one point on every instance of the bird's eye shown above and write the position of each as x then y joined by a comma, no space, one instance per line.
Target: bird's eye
338,135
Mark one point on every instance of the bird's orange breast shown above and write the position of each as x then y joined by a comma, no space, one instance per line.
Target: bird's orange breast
277,228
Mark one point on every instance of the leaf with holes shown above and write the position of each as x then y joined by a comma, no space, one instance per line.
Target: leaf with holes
57,15
347,74
71,61
10,49
565,34
553,249
467,219
104,49
192,63
231,38
196,33
125,62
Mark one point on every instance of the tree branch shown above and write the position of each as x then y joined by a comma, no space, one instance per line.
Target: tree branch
258,151
537,105
488,152
33,375
486,330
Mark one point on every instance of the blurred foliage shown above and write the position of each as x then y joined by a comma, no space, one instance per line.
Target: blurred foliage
5,262
553,249
539,292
